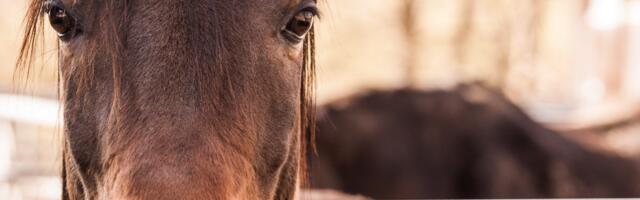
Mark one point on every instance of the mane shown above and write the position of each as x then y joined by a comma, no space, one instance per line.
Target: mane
33,39
307,106
33,42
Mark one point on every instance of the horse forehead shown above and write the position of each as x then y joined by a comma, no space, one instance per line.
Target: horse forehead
256,3
219,8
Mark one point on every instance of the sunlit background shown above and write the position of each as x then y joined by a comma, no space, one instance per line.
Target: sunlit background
570,64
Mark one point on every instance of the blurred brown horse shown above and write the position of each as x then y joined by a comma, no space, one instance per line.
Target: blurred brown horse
181,99
471,142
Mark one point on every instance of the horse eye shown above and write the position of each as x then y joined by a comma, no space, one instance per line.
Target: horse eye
60,21
300,24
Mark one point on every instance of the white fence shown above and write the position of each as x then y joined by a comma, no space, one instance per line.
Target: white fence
29,148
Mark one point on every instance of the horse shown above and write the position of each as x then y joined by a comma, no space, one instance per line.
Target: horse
180,99
468,142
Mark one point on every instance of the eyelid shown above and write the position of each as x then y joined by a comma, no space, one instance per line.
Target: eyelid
310,6
48,5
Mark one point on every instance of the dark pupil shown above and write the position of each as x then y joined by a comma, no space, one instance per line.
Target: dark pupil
59,20
301,23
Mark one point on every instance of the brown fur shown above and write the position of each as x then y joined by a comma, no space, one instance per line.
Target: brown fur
181,99
467,143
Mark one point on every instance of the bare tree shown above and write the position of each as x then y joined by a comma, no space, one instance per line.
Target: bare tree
409,23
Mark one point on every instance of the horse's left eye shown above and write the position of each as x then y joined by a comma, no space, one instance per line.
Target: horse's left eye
60,21
300,24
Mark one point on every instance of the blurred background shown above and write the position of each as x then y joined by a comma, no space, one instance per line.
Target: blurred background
571,65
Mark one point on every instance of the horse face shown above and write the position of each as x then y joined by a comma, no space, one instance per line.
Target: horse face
191,99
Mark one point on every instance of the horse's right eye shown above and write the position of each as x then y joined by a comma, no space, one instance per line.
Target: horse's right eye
301,23
60,21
